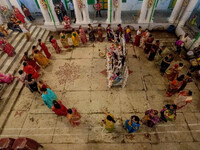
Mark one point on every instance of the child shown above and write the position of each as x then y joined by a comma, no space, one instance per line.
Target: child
22,77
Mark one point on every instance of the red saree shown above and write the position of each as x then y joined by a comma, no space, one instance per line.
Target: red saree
45,49
30,70
19,15
55,45
173,87
60,112
7,47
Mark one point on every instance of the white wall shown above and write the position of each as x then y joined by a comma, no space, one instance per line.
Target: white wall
162,4
131,5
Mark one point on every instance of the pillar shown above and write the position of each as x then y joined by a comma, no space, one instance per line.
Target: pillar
53,12
143,12
86,18
45,13
176,11
187,12
78,14
109,14
16,4
118,10
149,11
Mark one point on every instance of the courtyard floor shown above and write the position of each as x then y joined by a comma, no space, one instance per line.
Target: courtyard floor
75,76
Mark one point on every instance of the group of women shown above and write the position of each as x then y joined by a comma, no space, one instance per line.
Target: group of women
30,74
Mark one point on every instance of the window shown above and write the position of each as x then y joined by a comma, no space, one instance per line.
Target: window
123,1
91,2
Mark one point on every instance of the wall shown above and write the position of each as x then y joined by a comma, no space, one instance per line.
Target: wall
30,4
163,4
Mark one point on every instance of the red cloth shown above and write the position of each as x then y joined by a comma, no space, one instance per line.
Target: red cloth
137,40
19,15
26,12
62,111
55,45
67,21
45,49
7,48
30,70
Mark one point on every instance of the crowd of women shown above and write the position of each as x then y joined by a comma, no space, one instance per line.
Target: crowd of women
144,39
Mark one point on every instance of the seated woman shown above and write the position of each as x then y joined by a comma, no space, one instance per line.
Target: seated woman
151,118
42,85
3,31
7,47
31,83
184,98
109,122
6,78
73,117
132,124
59,108
168,113
41,59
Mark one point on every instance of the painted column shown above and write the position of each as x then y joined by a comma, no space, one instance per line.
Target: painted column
86,18
16,4
176,11
78,14
187,12
143,12
45,13
109,12
118,10
53,12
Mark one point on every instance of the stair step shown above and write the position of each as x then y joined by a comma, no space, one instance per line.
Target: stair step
18,50
17,62
15,44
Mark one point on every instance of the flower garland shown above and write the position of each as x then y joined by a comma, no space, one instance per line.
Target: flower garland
44,4
115,2
150,3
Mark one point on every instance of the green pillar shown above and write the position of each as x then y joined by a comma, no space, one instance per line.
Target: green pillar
152,12
49,8
195,40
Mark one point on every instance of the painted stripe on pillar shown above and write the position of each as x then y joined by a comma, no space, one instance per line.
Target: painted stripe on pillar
110,11
152,12
195,40
51,13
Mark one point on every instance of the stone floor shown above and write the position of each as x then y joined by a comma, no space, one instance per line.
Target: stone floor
74,75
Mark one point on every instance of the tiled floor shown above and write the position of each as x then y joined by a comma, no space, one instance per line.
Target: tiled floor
81,85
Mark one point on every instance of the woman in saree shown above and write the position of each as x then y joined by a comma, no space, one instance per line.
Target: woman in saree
59,108
91,33
144,37
6,78
184,98
109,122
48,97
7,47
174,86
82,35
75,38
54,44
186,80
18,14
148,44
44,48
119,30
41,84
31,83
31,61
166,63
64,40
28,69
66,22
3,31
160,55
127,34
168,113
110,35
73,117
154,48
132,124
41,59
137,37
151,118
172,73
100,33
